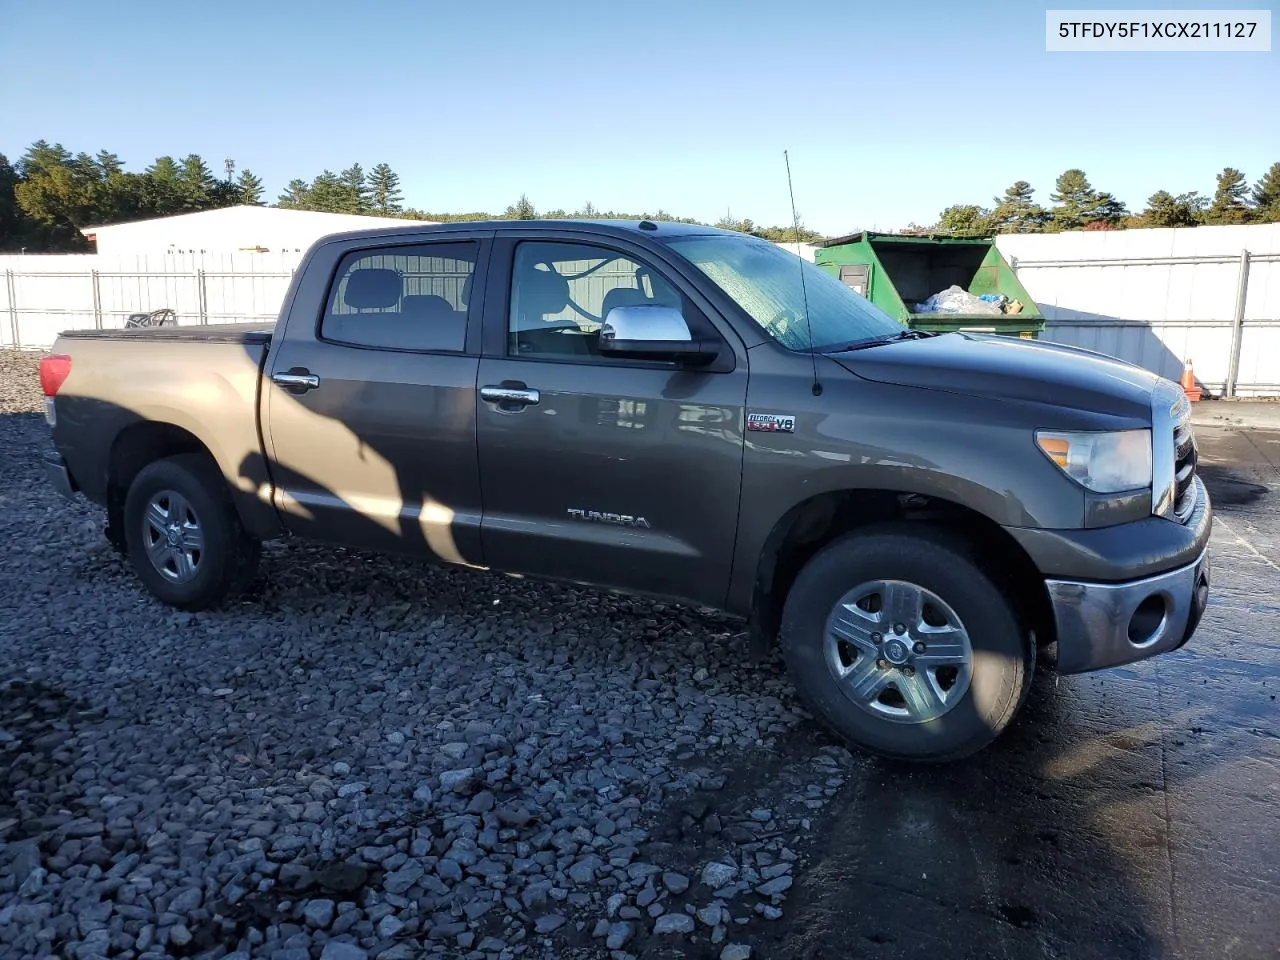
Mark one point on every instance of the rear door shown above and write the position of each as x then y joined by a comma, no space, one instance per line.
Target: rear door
371,405
619,473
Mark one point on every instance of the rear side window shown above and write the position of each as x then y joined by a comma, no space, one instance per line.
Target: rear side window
402,298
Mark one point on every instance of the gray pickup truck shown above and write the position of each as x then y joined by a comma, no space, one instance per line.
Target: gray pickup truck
675,411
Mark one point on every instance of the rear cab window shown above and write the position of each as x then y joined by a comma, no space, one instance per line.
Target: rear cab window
402,298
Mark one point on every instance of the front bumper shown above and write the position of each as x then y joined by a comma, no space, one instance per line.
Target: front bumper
55,469
1106,624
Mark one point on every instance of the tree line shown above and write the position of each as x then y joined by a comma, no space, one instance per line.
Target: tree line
378,193
1077,205
50,194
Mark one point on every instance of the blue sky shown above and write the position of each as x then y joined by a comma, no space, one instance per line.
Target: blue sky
890,110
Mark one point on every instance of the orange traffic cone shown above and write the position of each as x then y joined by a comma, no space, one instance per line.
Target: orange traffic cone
1189,382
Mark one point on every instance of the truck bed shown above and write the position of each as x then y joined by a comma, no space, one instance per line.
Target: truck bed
244,333
146,382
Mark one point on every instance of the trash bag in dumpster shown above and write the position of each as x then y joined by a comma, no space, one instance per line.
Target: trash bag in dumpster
898,273
957,300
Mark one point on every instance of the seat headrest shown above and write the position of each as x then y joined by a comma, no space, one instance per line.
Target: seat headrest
372,287
543,291
622,297
427,307
465,296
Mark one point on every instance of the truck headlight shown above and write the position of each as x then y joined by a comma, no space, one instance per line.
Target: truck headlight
1103,462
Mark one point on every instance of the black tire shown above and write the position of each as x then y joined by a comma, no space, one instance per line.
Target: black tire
1003,658
229,556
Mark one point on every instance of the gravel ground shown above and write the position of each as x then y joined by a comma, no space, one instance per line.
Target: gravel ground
366,757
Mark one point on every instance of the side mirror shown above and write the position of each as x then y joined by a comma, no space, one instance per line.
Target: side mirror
652,332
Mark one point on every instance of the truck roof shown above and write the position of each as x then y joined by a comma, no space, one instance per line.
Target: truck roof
618,228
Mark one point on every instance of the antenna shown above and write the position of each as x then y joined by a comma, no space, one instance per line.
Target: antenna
804,293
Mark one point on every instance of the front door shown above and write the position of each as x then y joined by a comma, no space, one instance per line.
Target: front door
376,445
618,473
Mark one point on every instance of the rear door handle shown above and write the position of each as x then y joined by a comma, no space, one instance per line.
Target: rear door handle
510,396
296,380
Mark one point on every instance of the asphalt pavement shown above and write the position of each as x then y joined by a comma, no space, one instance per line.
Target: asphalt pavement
1129,813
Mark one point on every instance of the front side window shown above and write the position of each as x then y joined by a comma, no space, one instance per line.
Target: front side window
402,298
765,281
561,293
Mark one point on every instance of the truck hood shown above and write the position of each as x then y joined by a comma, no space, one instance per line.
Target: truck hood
1009,368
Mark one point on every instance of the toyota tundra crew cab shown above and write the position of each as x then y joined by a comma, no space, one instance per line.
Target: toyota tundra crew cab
667,410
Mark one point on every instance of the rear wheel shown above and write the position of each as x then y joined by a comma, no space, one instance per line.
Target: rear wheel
898,641
183,534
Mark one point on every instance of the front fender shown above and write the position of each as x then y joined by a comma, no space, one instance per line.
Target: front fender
859,436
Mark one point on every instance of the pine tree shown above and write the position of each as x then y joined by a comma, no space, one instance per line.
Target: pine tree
57,189
109,163
296,196
1266,196
165,168
11,218
162,192
1166,210
43,157
328,194
1073,197
1016,212
195,172
249,187
965,220
384,190
1078,205
195,182
355,192
522,209
729,222
1229,200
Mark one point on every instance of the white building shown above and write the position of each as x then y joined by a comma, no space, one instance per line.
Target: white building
804,250
240,229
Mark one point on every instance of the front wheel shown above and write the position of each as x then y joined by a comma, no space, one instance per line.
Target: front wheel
183,535
898,641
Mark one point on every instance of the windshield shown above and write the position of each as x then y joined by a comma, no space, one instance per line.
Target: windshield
764,280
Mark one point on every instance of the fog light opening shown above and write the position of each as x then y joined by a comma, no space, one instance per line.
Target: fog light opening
1147,620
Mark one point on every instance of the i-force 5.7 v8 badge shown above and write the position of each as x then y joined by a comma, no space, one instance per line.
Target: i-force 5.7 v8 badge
771,423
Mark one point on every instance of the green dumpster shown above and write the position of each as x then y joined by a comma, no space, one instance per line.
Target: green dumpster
899,273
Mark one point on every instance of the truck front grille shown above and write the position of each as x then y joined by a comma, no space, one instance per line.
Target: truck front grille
1184,467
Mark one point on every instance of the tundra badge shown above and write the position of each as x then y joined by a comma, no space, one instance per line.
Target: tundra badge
619,519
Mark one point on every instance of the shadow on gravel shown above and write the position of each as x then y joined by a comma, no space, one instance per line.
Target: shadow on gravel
38,789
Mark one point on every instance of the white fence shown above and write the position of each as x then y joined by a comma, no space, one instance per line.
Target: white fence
1158,298
1154,297
43,295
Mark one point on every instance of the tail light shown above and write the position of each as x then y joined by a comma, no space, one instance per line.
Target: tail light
54,370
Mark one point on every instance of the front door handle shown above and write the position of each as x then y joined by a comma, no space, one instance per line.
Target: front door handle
510,396
297,380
